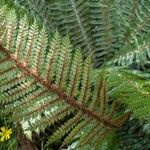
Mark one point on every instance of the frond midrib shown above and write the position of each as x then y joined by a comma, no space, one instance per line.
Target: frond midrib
81,26
70,100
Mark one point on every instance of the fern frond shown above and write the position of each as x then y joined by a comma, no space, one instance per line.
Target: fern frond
11,20
80,126
41,83
101,28
31,43
66,15
135,38
39,8
38,56
2,15
63,63
136,97
65,128
70,17
22,35
106,30
89,135
52,57
75,74
139,56
137,23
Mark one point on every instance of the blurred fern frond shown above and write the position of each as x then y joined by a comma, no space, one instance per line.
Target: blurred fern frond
100,27
139,57
134,134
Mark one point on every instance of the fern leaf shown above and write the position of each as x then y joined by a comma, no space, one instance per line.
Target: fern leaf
135,96
89,135
74,131
11,29
86,79
101,28
52,57
139,56
135,19
64,129
41,83
39,56
32,39
63,63
75,74
21,38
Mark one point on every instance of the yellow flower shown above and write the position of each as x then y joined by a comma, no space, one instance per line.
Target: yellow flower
5,134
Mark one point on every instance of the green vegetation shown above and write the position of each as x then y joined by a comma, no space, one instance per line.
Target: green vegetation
74,74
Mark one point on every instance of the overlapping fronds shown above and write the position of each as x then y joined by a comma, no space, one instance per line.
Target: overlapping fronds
106,30
69,17
129,138
42,81
91,25
135,16
101,27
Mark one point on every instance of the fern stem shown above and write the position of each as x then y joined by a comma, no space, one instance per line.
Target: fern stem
70,100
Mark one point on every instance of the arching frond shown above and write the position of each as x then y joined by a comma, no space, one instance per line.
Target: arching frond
41,83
